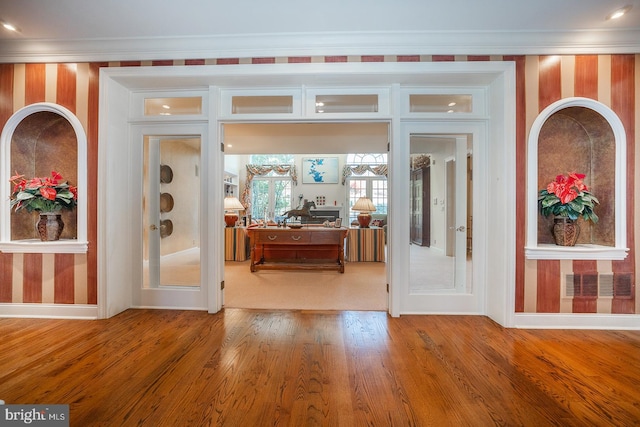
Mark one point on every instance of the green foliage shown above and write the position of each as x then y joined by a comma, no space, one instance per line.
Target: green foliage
550,204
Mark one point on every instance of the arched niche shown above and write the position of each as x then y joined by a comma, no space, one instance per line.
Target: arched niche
36,140
585,136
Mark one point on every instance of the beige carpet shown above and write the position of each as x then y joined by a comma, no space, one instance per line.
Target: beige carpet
363,286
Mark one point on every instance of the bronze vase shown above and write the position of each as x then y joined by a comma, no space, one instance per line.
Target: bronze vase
565,231
50,226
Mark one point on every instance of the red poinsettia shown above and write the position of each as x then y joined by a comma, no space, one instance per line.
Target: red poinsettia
48,194
568,196
567,187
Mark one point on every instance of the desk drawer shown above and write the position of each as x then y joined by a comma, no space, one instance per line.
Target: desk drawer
283,237
320,238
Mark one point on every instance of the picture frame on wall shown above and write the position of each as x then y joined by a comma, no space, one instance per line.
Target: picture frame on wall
320,170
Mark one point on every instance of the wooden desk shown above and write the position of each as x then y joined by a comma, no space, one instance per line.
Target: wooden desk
235,244
311,247
365,244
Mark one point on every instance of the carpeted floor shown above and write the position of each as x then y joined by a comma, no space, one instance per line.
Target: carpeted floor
363,286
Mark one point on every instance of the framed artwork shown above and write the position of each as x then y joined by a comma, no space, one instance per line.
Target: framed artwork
319,170
338,223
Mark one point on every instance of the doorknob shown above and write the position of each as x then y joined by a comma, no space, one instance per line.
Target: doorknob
153,227
461,228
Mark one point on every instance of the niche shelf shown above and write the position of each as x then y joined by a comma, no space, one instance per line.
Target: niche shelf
57,142
585,136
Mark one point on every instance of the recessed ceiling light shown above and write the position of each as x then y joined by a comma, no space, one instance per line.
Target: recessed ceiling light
619,12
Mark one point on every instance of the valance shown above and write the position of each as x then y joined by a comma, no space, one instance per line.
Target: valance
262,170
349,170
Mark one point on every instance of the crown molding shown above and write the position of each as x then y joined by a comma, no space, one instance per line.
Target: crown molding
320,44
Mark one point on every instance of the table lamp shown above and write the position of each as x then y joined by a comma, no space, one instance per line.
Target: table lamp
231,207
364,206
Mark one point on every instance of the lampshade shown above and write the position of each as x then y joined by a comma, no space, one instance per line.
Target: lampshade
364,206
233,205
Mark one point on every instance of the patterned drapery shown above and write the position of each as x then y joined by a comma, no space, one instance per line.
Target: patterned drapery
261,170
349,170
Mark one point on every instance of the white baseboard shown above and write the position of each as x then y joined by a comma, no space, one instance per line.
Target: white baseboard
50,311
155,307
576,321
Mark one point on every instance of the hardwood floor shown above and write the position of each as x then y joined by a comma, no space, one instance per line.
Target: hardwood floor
296,368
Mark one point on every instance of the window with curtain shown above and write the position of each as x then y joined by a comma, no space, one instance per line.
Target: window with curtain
366,176
270,181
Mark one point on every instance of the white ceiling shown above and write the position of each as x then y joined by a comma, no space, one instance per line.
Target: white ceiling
163,29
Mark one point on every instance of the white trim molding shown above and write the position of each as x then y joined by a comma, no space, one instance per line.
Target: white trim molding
324,43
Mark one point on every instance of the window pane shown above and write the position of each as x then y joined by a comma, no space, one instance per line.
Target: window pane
379,195
282,190
172,106
347,104
357,189
259,198
271,159
451,103
367,158
261,104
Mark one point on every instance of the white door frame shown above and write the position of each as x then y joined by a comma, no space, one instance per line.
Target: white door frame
114,210
454,301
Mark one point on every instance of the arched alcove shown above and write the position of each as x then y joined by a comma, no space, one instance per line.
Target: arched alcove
585,136
38,139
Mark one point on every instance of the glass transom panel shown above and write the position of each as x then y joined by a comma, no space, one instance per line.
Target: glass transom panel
346,103
172,106
441,103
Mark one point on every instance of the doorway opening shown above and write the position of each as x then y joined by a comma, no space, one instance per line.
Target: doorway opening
363,286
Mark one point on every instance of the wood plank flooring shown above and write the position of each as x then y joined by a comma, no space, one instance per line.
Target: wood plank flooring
295,368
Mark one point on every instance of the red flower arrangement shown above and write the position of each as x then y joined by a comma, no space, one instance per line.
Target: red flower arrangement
50,194
568,196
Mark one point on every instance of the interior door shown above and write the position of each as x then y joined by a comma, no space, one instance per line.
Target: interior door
440,276
170,217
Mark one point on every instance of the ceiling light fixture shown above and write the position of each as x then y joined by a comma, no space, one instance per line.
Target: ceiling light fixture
9,27
166,107
619,12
